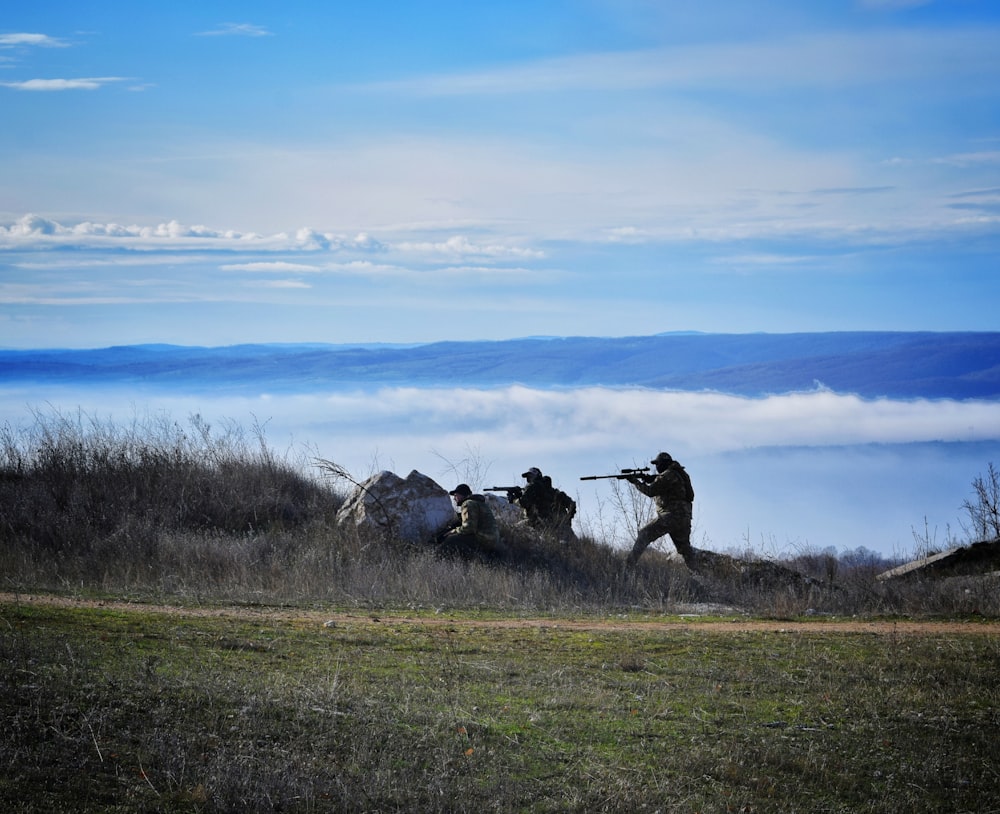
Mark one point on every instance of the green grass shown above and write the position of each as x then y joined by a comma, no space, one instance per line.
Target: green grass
242,700
140,710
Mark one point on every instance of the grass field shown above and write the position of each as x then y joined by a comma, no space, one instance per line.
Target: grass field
142,708
206,636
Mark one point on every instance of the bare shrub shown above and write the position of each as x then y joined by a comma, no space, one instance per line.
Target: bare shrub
618,517
984,509
473,468
69,482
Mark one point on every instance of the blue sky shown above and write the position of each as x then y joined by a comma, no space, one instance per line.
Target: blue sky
406,172
223,172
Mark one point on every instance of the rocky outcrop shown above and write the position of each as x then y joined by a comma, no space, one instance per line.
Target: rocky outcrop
760,573
974,559
506,513
410,509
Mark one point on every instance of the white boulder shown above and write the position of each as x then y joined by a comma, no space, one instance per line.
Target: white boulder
504,511
410,509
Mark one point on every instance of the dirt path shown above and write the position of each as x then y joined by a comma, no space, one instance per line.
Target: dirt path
735,624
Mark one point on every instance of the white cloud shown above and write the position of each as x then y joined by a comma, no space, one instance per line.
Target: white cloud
35,231
707,181
37,40
808,60
80,83
626,423
35,226
281,284
278,267
459,246
29,294
493,271
103,260
764,260
308,238
977,159
236,30
632,420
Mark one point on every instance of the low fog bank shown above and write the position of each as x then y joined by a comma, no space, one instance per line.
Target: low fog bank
777,475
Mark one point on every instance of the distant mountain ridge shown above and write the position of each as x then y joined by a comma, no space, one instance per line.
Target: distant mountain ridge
953,365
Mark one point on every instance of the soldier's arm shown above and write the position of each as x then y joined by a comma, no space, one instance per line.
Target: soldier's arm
470,518
461,526
647,488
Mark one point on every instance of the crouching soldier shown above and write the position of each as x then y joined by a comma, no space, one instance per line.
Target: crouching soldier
476,531
545,506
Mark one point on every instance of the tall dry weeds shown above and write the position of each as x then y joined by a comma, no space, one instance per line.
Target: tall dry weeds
159,509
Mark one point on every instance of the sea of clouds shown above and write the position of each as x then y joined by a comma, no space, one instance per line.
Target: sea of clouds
777,475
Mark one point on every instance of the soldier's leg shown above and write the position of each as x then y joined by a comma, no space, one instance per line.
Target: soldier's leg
682,542
565,533
648,533
462,545
494,550
680,533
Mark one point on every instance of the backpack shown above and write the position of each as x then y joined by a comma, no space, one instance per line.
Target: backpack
563,505
686,480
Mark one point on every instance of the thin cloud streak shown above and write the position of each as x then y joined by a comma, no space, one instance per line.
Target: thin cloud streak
280,284
462,246
277,267
236,30
816,61
54,85
36,40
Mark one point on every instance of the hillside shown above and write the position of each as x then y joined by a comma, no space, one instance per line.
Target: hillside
870,364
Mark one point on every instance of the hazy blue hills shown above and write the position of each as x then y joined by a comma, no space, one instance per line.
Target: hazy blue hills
870,364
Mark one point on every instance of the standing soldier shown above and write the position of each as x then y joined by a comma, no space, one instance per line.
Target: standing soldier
673,494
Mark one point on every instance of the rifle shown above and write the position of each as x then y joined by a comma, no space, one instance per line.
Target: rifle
625,474
507,489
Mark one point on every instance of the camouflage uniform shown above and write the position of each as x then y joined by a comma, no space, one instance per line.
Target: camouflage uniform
477,527
674,511
544,506
536,499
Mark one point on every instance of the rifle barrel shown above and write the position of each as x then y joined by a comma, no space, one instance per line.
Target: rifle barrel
642,473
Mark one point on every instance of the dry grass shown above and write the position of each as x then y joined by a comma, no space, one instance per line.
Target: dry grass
158,510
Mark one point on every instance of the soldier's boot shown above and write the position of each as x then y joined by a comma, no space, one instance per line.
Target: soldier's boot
686,551
636,552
